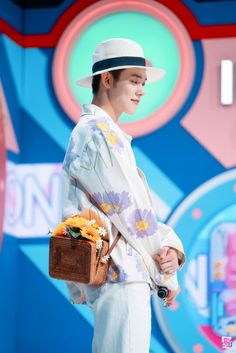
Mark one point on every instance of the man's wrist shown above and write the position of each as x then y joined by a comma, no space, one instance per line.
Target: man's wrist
177,254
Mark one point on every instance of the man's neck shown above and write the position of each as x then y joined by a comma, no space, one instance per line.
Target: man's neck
102,102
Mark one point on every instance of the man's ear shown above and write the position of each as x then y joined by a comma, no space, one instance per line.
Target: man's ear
106,79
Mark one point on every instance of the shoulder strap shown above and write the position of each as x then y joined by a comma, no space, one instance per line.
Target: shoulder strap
105,258
115,241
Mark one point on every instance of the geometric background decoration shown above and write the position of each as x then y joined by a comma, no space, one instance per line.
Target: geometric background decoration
168,46
183,141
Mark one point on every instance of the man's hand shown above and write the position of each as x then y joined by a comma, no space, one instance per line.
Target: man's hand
169,300
167,260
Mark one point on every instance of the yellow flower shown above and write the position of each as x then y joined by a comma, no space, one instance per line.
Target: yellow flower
102,126
105,207
145,265
111,137
90,233
114,276
141,225
166,278
117,208
60,229
76,222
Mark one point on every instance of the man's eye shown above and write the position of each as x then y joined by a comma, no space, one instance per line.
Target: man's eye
135,82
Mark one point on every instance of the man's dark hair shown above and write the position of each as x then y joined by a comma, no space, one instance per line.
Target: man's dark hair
97,78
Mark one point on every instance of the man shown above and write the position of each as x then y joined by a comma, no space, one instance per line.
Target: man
100,174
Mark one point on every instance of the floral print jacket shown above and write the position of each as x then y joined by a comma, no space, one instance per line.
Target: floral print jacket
100,173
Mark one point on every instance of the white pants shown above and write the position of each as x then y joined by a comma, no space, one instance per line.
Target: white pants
122,317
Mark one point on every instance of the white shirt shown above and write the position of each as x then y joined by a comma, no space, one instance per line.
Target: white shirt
100,173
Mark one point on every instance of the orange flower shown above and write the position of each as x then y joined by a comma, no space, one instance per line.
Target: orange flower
60,229
89,214
90,233
76,222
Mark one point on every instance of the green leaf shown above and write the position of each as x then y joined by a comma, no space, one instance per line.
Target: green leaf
74,234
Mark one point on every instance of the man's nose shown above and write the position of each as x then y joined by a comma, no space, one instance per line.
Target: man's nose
140,90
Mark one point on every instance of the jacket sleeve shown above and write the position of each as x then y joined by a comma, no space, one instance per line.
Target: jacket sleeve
106,170
169,238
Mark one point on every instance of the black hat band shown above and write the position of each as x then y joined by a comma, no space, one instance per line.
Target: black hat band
120,61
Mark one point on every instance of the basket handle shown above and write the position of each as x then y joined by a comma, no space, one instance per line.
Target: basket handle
115,241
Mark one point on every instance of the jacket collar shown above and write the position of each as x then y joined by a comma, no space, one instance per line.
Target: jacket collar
97,112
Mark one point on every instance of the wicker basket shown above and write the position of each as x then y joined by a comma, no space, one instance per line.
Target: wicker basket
77,260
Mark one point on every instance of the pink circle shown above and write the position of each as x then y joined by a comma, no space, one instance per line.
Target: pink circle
94,13
234,187
197,213
198,348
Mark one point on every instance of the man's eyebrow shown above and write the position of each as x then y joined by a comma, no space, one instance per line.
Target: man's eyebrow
138,76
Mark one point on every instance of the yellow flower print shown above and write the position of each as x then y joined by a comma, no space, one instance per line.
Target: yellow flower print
141,225
166,278
144,265
105,207
103,126
117,208
111,137
114,276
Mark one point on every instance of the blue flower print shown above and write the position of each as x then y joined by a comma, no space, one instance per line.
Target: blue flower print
141,266
142,223
113,202
99,124
70,156
116,274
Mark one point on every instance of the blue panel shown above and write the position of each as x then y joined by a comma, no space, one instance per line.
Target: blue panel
39,103
47,322
12,82
47,150
158,181
40,21
36,21
12,14
8,294
38,99
213,13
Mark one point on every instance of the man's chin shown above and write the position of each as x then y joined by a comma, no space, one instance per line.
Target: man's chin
131,111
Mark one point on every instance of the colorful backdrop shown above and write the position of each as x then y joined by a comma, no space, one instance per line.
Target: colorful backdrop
184,140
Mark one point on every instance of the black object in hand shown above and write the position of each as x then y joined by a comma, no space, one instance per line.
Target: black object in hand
162,292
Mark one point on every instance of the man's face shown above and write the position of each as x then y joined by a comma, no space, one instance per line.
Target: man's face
126,93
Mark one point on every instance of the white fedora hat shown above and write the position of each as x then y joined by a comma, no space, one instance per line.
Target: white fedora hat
120,53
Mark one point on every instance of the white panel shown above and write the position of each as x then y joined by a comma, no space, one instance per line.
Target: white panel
226,92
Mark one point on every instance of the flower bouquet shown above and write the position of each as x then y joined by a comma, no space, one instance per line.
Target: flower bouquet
79,250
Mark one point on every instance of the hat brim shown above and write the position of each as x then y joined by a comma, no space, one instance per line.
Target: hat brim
153,74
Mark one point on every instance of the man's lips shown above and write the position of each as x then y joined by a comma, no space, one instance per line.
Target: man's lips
136,101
